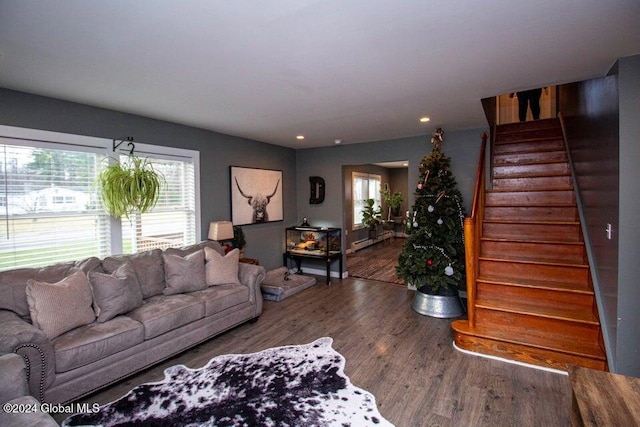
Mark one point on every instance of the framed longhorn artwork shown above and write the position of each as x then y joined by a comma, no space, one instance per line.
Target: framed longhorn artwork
256,196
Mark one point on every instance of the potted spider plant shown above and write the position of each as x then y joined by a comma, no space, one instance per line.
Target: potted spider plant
132,186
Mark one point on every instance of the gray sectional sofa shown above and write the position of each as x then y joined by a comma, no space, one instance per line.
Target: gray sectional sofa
83,325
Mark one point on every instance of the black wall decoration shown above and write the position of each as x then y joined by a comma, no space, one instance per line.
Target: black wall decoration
317,190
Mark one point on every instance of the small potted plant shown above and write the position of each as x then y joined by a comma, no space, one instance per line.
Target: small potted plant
371,217
238,240
129,187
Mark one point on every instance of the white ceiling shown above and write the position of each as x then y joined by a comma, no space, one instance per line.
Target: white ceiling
355,70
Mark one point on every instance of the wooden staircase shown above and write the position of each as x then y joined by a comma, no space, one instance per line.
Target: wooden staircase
530,295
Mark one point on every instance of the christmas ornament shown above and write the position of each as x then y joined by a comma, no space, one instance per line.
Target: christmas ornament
420,186
440,196
440,222
415,224
429,262
430,208
448,270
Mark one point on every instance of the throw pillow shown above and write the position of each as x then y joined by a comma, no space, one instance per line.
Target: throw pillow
184,274
115,293
59,307
149,269
220,270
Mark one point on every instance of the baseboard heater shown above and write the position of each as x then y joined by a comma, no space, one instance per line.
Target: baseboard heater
363,243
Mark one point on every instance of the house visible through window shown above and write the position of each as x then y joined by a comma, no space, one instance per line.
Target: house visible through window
364,186
51,211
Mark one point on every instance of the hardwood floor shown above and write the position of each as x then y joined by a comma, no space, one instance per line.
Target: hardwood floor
405,359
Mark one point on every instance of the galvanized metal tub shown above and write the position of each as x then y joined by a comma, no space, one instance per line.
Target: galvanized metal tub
441,306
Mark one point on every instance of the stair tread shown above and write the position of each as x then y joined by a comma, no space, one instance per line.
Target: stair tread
536,283
540,309
533,338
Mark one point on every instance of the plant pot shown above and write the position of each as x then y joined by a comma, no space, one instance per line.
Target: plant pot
373,233
442,306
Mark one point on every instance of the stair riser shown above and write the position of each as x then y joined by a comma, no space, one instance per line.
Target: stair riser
526,354
553,252
529,158
520,171
531,213
488,291
553,273
543,232
533,183
527,147
519,198
523,322
548,133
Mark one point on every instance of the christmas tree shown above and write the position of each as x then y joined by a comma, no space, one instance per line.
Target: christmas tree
432,259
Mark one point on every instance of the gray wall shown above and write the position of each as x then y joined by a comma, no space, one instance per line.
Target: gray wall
603,127
463,147
217,153
628,346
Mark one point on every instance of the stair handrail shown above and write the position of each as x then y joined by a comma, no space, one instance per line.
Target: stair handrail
473,232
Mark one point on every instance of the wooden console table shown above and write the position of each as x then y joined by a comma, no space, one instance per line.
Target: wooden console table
603,399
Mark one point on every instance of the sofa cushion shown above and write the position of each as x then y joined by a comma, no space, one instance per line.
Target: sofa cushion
186,250
149,269
222,297
95,341
219,269
163,313
59,307
184,273
115,293
13,283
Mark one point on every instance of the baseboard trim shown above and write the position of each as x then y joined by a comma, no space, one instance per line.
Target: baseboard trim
513,362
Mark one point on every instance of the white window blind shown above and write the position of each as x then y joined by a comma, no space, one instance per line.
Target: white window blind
49,211
364,186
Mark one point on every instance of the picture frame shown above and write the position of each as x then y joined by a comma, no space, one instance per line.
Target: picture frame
256,195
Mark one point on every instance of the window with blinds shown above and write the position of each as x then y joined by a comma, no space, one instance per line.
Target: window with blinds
364,186
171,223
50,210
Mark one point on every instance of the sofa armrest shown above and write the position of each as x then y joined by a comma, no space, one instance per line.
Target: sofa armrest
19,336
251,276
13,377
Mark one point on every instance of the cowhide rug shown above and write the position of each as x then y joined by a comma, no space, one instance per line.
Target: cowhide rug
300,385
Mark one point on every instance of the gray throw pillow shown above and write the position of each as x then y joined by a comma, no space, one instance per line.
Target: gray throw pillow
149,269
116,293
220,270
59,307
184,274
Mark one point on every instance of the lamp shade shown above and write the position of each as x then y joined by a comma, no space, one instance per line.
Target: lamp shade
221,230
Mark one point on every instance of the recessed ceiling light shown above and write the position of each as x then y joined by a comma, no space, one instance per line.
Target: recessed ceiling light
300,137
405,164
424,119
337,141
